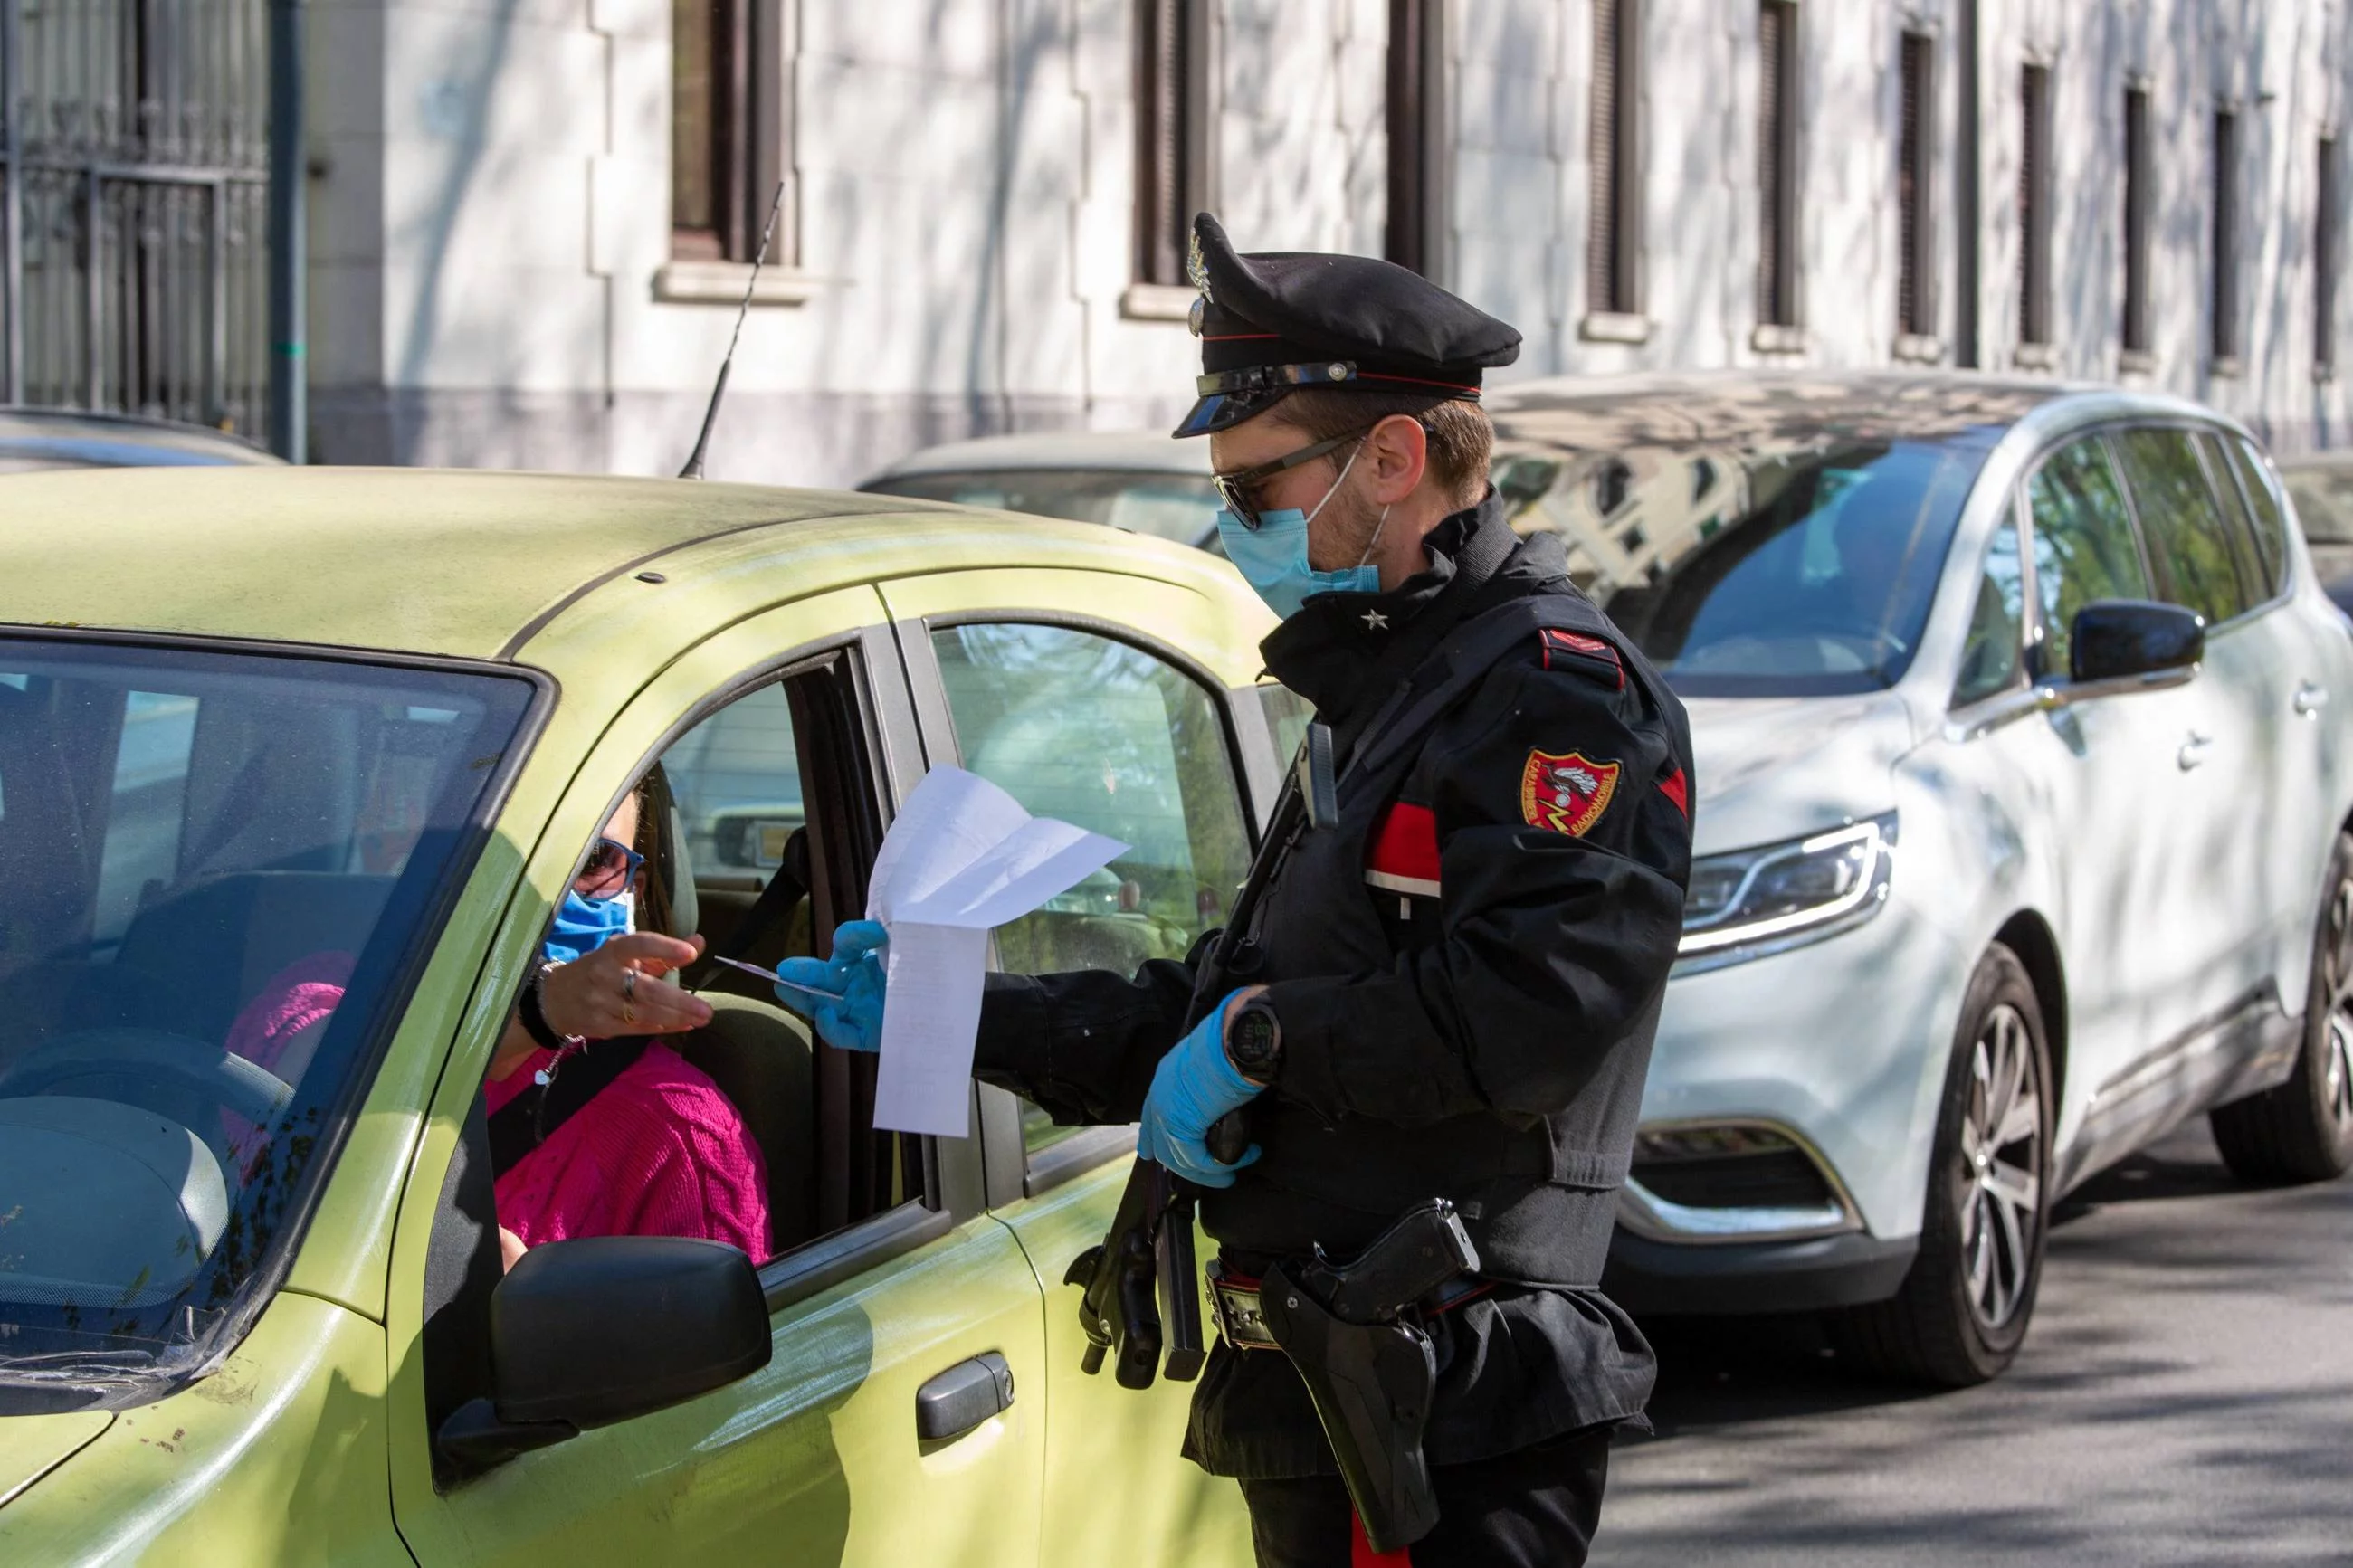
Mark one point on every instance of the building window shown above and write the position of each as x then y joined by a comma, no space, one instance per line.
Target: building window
2224,305
2326,215
1777,163
1916,304
727,129
2034,206
1172,128
1416,236
1613,243
2137,191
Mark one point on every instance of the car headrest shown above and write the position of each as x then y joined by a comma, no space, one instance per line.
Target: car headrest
114,1206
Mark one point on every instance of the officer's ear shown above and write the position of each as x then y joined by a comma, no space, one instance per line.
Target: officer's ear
1398,454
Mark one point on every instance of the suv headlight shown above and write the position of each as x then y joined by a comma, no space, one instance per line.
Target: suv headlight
1757,900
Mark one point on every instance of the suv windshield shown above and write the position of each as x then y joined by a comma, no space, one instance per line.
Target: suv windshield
218,871
1780,570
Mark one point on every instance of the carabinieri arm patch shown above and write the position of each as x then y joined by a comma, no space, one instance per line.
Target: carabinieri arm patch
1565,792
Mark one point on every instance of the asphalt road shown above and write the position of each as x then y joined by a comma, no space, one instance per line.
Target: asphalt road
2185,1396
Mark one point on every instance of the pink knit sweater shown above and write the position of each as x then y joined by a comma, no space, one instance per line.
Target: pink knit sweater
661,1152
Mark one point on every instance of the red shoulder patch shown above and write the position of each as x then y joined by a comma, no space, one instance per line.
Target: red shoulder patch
1677,788
1566,792
1572,650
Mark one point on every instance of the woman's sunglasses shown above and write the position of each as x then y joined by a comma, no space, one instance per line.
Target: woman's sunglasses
1238,490
612,866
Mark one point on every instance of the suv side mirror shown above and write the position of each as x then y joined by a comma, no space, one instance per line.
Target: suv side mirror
585,1334
2114,638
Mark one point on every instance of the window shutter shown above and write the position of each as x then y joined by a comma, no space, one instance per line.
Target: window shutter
1777,109
2034,206
1915,312
2224,304
2326,218
2136,195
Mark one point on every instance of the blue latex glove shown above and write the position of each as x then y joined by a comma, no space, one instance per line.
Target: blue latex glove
850,1017
1193,1086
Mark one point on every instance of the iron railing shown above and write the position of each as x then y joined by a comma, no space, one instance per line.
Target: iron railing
133,203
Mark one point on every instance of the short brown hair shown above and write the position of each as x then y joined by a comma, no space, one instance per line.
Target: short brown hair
1460,438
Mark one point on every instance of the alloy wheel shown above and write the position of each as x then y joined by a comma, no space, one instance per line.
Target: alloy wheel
2002,1153
2337,977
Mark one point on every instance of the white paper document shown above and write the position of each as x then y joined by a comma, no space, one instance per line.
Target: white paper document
962,856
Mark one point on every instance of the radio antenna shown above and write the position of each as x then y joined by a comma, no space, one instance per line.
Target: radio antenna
693,470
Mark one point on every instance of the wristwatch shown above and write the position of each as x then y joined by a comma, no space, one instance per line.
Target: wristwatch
1254,1040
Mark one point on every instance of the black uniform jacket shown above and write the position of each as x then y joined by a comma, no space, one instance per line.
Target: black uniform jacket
1467,969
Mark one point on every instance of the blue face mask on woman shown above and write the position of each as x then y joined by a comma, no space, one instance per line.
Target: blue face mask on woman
584,925
1272,557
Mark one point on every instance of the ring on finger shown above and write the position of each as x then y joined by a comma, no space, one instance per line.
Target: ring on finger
629,995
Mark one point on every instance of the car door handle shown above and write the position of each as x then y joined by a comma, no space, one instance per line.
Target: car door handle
2310,699
2194,751
955,1402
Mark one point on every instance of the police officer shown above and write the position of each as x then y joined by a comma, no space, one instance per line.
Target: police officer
1451,990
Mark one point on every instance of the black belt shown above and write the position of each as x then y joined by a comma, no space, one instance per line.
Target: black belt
1233,1302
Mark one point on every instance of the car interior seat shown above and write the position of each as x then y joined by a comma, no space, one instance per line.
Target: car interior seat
214,945
760,1057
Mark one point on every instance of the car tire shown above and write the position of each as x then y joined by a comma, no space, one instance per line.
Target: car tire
1963,1308
2302,1131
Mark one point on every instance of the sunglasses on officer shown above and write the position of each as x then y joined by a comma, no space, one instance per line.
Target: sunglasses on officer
1240,489
612,866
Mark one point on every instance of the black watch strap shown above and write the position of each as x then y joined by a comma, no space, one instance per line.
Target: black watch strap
532,1013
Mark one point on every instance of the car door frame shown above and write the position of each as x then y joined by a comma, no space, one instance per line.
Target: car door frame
954,1200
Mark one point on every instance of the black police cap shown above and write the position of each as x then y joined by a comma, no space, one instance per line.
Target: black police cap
1274,322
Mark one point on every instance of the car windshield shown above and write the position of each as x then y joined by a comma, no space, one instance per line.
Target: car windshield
1179,507
1793,568
217,873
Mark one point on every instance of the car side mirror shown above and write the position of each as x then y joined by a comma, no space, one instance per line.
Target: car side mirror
2114,638
585,1334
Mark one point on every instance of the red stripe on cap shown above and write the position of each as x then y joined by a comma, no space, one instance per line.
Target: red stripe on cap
1470,391
1404,852
1677,788
1362,1556
1242,338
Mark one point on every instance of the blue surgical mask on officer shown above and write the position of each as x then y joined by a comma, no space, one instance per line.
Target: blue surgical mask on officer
1272,557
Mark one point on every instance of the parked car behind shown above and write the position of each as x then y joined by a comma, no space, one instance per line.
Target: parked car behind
260,1318
32,439
2321,486
1142,480
2021,826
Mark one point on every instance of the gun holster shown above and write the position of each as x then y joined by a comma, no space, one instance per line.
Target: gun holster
1372,1385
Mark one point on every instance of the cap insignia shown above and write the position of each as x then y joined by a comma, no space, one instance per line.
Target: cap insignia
1197,270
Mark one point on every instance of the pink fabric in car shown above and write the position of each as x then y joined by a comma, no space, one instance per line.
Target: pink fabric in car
297,997
661,1152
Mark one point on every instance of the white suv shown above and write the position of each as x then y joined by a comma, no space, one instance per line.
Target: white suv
2021,824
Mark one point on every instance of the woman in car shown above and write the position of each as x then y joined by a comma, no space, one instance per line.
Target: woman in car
597,1127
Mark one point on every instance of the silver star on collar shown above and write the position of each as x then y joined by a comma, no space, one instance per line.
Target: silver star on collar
1375,622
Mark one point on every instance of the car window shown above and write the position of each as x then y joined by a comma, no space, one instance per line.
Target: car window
2242,461
736,777
1179,507
2083,545
1800,571
2188,541
1103,735
216,866
1991,658
1288,714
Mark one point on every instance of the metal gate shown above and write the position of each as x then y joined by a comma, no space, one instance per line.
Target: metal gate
133,206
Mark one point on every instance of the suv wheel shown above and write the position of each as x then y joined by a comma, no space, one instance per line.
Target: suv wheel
2303,1129
1962,1311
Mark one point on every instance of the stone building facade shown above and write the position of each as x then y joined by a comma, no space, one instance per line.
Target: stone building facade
506,272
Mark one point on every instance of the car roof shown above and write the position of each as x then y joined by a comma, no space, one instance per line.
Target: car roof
1142,451
478,564
77,436
1734,408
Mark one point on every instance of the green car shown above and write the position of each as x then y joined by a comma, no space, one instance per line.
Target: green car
263,724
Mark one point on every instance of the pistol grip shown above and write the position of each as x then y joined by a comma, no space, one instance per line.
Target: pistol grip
1230,1138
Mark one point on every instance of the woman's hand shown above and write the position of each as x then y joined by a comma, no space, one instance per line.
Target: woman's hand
619,990
511,1249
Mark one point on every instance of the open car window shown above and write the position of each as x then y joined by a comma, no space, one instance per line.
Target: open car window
219,866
